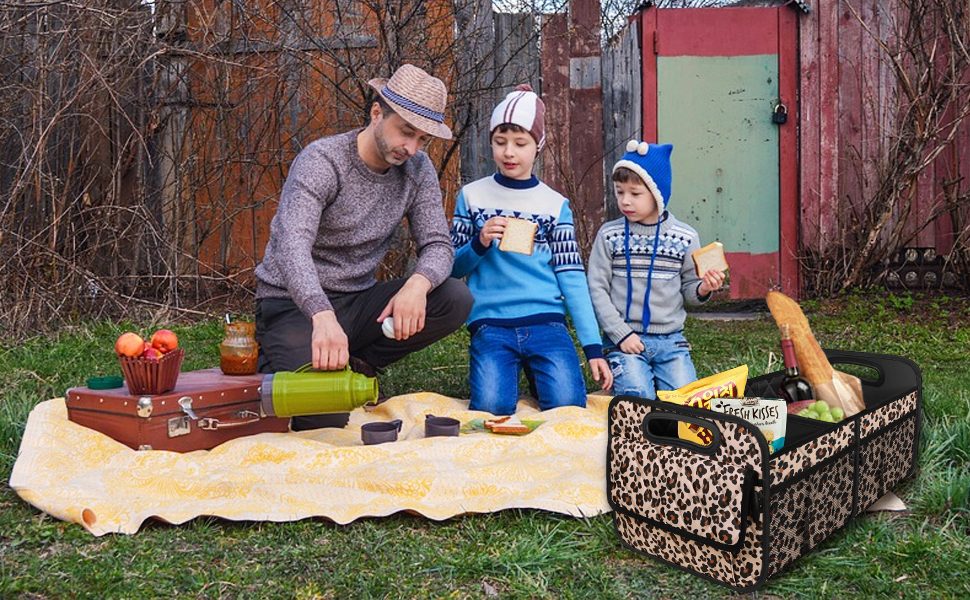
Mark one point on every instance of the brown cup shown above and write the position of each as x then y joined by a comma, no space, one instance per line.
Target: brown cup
379,432
440,426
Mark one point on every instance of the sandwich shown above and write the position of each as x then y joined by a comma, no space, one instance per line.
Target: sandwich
509,424
709,257
519,236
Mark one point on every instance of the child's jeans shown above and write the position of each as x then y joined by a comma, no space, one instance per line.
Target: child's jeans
664,364
498,353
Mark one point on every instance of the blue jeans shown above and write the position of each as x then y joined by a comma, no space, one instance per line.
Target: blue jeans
664,364
497,354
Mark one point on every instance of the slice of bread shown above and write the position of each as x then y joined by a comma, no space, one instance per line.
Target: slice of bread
710,256
519,236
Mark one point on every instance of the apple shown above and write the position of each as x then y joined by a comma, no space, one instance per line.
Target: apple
165,340
150,352
129,344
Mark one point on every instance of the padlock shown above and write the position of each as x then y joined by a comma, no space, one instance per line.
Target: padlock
780,116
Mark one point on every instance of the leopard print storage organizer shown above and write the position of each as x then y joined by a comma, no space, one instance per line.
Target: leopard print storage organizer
736,515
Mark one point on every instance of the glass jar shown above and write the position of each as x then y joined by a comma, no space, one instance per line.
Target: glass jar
239,350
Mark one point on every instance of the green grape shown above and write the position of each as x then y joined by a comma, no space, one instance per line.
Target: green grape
812,414
827,417
820,406
837,413
803,412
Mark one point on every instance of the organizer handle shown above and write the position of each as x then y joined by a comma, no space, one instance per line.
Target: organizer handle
896,374
665,418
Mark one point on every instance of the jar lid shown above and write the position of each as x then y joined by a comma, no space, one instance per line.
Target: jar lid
105,383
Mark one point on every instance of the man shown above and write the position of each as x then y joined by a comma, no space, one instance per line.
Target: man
317,298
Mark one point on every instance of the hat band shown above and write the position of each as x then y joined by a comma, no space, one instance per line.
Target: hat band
412,106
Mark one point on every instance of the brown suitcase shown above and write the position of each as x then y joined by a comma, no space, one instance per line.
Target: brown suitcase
205,409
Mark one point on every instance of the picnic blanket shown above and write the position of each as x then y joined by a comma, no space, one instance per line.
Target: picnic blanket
77,474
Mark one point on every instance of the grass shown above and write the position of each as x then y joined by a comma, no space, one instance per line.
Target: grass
517,553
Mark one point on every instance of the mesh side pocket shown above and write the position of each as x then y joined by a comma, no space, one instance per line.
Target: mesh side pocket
884,460
808,511
789,511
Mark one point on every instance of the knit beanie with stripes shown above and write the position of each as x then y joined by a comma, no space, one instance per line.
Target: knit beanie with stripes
524,108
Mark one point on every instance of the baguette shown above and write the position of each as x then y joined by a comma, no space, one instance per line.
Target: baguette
519,236
709,257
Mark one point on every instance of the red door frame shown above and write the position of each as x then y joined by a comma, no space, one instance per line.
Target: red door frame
731,23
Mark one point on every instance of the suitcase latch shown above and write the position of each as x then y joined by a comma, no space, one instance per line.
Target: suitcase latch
144,407
186,403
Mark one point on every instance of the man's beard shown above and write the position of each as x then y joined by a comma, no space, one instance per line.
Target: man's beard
387,153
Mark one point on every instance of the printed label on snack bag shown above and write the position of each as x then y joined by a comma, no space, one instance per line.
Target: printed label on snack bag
729,384
770,416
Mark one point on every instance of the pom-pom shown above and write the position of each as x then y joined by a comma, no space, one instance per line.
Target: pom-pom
642,148
631,146
524,87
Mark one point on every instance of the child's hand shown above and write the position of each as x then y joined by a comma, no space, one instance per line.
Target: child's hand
632,344
712,281
600,367
492,230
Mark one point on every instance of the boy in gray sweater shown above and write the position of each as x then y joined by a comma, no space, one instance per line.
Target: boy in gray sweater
641,274
318,300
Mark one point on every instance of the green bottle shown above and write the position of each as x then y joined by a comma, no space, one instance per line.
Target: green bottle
309,392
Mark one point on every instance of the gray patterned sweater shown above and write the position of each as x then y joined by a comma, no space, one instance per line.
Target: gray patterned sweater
674,281
336,219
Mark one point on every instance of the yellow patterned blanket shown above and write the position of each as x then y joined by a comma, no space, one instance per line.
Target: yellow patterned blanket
79,475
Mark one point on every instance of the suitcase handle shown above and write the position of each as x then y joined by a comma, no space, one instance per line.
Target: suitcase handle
211,424
657,432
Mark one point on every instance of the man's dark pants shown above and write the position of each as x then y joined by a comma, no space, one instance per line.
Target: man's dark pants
284,332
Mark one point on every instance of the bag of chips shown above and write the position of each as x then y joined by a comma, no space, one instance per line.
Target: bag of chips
729,384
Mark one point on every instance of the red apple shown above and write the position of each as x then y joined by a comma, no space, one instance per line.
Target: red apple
165,340
129,344
150,352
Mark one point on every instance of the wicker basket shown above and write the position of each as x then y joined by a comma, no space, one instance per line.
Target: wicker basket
152,375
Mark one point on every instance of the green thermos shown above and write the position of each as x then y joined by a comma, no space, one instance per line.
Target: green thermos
308,392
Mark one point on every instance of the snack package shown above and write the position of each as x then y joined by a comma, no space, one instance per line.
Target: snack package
768,415
729,384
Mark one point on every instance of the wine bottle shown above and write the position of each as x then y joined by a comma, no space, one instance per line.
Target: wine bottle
793,387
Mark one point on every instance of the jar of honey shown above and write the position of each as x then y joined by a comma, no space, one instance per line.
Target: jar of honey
239,350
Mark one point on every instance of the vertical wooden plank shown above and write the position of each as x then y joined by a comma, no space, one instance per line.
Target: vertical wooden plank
851,138
586,120
808,120
789,270
829,163
648,35
622,110
476,42
555,93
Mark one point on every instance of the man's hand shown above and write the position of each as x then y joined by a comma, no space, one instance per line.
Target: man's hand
601,368
331,350
492,230
408,307
632,344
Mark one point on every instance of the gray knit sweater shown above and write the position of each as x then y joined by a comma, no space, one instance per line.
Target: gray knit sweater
673,281
336,219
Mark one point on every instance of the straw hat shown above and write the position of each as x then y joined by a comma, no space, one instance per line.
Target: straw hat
418,97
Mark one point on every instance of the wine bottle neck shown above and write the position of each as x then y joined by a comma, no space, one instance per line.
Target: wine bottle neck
788,353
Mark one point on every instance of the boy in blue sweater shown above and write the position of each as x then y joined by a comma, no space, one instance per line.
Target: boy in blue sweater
518,320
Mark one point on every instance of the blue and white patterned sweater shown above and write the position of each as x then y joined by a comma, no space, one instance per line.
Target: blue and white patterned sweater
512,289
672,283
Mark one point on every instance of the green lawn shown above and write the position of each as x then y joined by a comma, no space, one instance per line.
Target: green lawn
513,554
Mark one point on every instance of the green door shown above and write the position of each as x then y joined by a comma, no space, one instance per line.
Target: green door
717,85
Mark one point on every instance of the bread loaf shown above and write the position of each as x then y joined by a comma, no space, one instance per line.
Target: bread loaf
519,236
709,257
